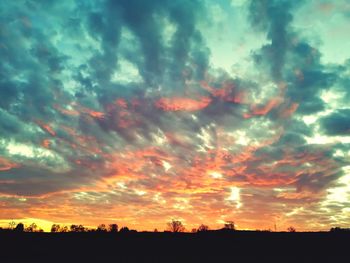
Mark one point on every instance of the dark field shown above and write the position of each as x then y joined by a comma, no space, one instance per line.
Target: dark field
237,246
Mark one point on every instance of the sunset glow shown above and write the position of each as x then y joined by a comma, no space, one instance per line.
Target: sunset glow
139,112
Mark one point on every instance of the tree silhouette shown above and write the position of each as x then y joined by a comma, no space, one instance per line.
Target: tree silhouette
102,228
55,228
175,226
229,225
64,229
19,227
77,228
31,228
339,229
291,229
124,229
113,228
203,228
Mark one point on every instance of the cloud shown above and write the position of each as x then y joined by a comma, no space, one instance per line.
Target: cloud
178,104
117,107
337,123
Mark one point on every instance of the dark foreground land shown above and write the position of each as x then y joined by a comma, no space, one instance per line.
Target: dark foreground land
235,246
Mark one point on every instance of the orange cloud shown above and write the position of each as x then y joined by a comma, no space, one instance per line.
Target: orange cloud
182,104
263,110
121,103
258,110
45,143
7,164
92,113
70,112
287,112
46,127
227,92
80,109
88,144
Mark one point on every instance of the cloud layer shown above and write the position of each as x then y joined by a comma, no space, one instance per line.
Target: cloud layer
138,112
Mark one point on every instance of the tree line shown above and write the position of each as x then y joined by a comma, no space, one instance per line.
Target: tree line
175,226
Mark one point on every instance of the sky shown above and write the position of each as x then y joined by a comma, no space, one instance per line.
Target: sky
140,112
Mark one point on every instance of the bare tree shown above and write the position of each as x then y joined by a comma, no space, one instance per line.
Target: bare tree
229,225
12,224
291,229
175,226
